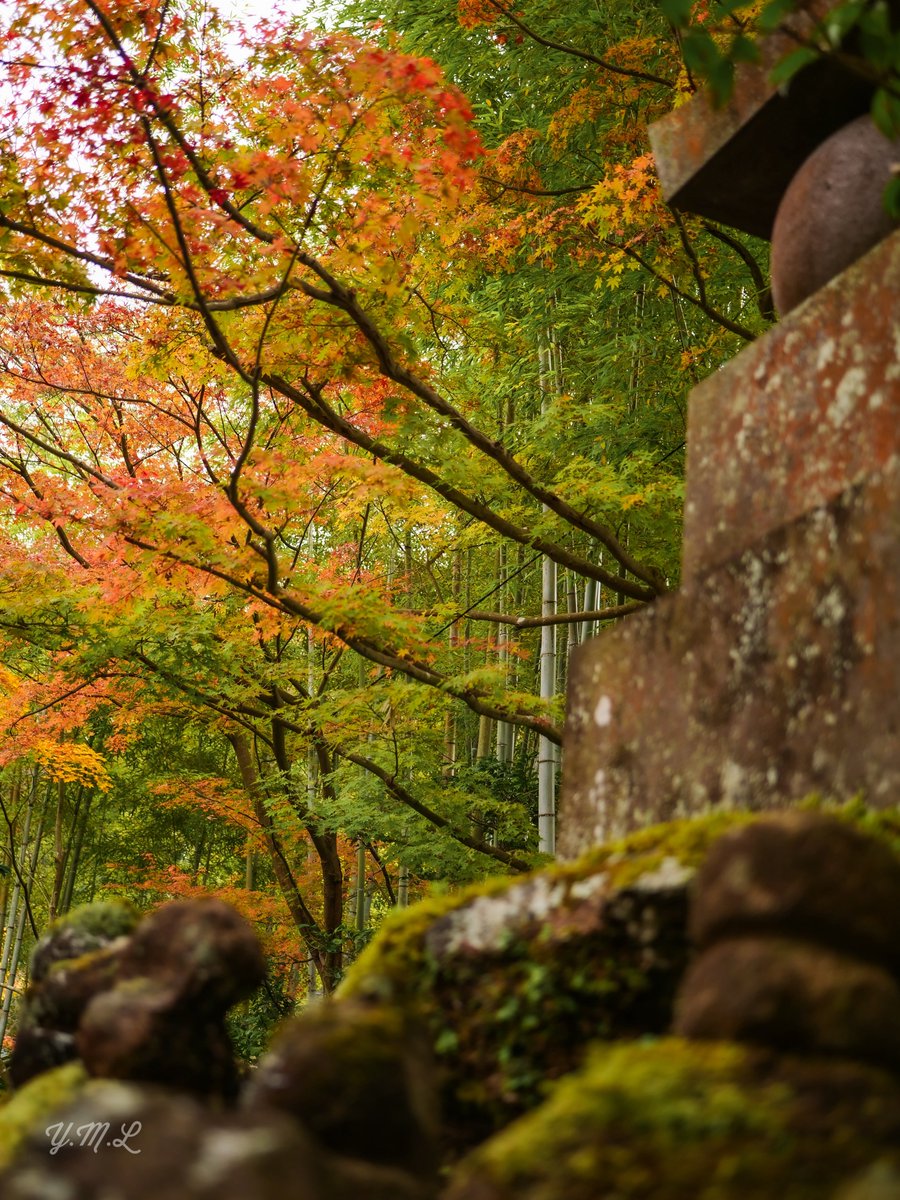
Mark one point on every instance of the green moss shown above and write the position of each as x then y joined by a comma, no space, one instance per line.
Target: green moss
83,929
26,1110
505,1022
389,966
353,1045
687,842
104,918
673,1120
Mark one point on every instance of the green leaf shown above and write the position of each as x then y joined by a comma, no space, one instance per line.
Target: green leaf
841,20
788,67
878,46
892,197
677,11
774,13
744,49
886,113
703,57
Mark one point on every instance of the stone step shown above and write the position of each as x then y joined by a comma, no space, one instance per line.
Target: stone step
764,679
798,416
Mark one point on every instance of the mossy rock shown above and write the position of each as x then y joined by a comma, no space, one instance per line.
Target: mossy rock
84,929
676,1120
23,1113
512,978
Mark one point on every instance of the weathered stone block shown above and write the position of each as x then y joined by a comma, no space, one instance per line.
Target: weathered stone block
358,1077
801,875
801,414
733,162
793,996
765,679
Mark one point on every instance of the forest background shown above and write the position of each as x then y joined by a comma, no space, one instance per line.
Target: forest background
342,396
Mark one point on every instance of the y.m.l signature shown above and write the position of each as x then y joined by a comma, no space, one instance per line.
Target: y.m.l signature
95,1135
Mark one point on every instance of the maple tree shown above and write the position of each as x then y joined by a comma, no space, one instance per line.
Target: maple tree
306,366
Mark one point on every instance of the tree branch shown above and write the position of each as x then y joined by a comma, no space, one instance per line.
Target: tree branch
576,53
399,792
763,291
567,618
714,315
312,402
515,187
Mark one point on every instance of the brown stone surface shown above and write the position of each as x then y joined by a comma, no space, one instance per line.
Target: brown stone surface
357,1179
169,1148
359,1078
733,163
832,212
141,1030
512,982
798,416
801,875
791,996
54,1006
203,949
148,1005
766,679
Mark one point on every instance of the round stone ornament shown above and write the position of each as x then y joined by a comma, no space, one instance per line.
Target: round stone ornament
832,212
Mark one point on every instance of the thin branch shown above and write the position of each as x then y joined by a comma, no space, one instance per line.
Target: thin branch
713,314
567,618
763,291
312,401
345,300
696,269
26,890
279,600
576,53
515,187
399,792
392,899
73,252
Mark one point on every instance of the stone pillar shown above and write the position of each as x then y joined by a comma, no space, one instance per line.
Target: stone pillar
775,671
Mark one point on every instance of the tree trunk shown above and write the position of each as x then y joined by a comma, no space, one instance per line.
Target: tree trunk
314,937
80,821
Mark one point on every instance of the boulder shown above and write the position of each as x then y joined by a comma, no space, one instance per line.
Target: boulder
203,950
140,1000
513,979
75,959
142,1030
